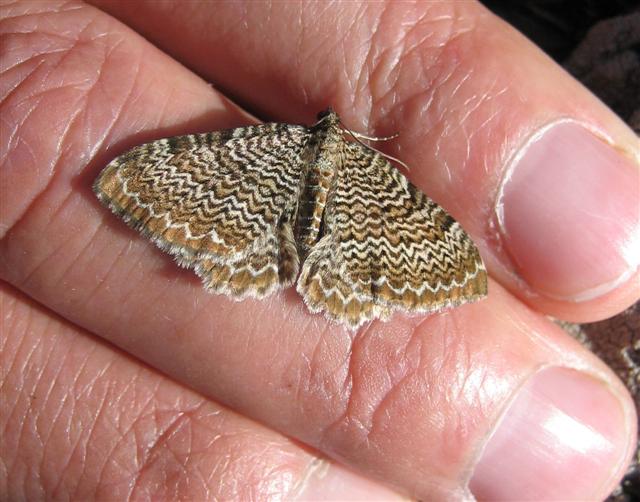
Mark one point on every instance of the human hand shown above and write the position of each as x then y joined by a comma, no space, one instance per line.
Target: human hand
491,396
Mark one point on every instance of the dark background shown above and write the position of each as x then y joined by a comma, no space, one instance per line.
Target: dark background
558,26
598,41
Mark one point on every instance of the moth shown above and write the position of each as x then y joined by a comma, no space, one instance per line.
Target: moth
256,209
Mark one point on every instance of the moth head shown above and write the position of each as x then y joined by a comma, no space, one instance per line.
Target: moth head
328,117
325,113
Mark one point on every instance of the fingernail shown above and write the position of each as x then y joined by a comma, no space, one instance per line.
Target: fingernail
569,214
327,481
564,438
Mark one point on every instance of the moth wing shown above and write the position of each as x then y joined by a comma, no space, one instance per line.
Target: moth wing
221,201
386,247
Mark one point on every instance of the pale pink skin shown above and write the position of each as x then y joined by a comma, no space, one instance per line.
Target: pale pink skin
407,404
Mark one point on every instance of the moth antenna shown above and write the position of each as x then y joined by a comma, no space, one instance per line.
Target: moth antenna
375,138
358,137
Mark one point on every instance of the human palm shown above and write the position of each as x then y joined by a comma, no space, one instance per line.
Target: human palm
123,378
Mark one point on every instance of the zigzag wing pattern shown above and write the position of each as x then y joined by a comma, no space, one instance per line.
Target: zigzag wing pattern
386,247
222,203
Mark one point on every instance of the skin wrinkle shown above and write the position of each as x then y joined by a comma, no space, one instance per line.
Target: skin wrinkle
120,396
45,93
110,49
201,480
113,396
467,366
147,413
435,372
448,374
379,409
342,374
467,107
378,69
117,258
162,112
25,280
393,75
80,253
14,406
437,88
426,97
263,473
291,368
367,60
153,299
26,416
92,426
325,7
52,384
18,128
323,441
65,54
222,468
64,411
484,125
116,112
314,383
432,58
15,90
54,171
74,387
11,33
464,426
5,340
308,53
144,453
307,382
407,54
128,99
391,95
63,477
160,441
23,416
340,371
206,480
123,292
345,74
48,8
189,325
122,436
350,419
439,81
79,42
76,378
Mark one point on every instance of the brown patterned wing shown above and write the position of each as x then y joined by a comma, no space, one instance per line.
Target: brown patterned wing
222,203
386,247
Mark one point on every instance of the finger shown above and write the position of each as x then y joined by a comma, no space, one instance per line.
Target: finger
543,175
413,405
81,420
